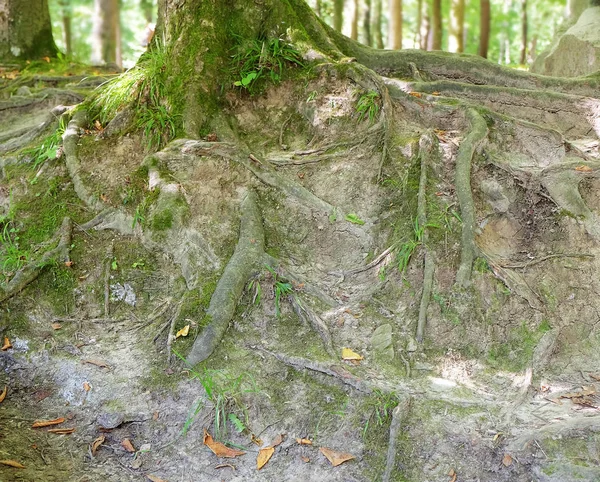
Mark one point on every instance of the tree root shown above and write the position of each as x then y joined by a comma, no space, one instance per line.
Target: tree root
32,270
399,416
477,133
316,323
248,253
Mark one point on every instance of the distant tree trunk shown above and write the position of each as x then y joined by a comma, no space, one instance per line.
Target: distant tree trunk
338,14
66,12
426,31
457,26
25,30
436,43
533,49
106,33
523,56
367,37
354,24
484,28
147,10
417,40
319,8
376,24
395,25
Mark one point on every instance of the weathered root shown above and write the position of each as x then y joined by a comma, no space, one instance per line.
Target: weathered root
399,416
316,323
32,270
248,253
428,146
107,265
477,133
64,95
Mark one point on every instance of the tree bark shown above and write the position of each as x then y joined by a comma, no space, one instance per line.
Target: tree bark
376,25
417,40
66,12
106,32
354,24
367,37
25,30
457,26
484,28
147,9
523,56
436,43
338,14
395,25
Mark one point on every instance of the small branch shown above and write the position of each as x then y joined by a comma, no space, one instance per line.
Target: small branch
399,416
281,145
527,264
107,266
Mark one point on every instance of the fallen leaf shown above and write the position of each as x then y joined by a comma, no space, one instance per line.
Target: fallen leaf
104,198
348,354
584,393
183,332
416,94
7,344
507,460
219,449
86,386
47,59
97,363
222,466
263,457
584,168
3,394
304,441
127,445
97,125
305,459
336,458
41,395
47,423
451,472
497,436
155,416
154,478
61,431
280,438
595,377
435,93
96,444
255,440
56,326
12,463
68,264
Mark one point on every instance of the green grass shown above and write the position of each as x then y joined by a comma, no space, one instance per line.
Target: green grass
49,149
367,106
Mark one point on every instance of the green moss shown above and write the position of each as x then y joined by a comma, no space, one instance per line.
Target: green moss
515,352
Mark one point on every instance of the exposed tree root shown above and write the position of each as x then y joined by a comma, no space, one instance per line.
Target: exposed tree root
248,253
316,323
399,416
477,133
533,262
32,270
64,95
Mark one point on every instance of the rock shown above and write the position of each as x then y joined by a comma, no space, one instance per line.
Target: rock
124,293
577,52
412,346
381,340
495,195
24,91
110,420
423,366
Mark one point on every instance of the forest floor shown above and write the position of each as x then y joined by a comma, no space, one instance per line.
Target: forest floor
505,386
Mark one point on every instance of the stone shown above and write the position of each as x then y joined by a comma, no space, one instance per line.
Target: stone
381,341
495,195
412,346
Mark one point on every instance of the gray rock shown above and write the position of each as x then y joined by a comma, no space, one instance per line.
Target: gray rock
381,340
412,345
124,293
495,195
24,91
110,420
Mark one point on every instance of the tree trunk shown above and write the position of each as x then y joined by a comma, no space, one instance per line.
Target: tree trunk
66,11
395,25
523,53
338,14
148,10
367,37
376,24
106,33
426,30
25,30
484,28
354,23
417,39
436,43
318,8
457,26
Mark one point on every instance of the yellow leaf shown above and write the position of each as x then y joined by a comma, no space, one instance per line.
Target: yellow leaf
584,168
348,354
305,459
416,94
127,445
507,460
56,326
12,463
3,394
96,444
86,386
336,458
47,59
304,441
263,457
154,478
218,448
47,423
7,344
183,332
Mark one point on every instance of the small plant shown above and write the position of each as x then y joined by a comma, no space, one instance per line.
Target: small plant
49,149
406,250
255,284
282,288
354,219
368,106
263,59
380,405
158,125
12,256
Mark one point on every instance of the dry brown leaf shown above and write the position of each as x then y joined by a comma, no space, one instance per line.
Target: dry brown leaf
304,441
104,198
97,363
263,457
507,460
96,444
453,479
305,459
348,354
183,332
595,377
86,386
154,478
56,326
3,394
336,458
255,440
279,440
12,463
47,423
127,445
584,168
435,93
155,416
7,344
218,448
222,466
61,431
416,94
69,263
451,472
584,393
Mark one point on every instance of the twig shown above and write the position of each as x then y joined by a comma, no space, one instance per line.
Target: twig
399,415
107,265
545,258
281,132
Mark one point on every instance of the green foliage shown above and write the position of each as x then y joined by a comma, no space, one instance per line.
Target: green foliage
282,289
406,249
379,407
354,219
158,125
259,60
12,257
49,149
367,106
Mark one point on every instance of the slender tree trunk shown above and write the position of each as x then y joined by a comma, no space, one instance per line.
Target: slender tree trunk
367,37
376,24
105,34
338,14
354,24
437,25
484,28
66,12
148,10
25,30
523,56
395,25
426,31
418,29
457,26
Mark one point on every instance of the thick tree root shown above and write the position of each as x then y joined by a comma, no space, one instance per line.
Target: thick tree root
32,270
399,416
477,133
248,253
